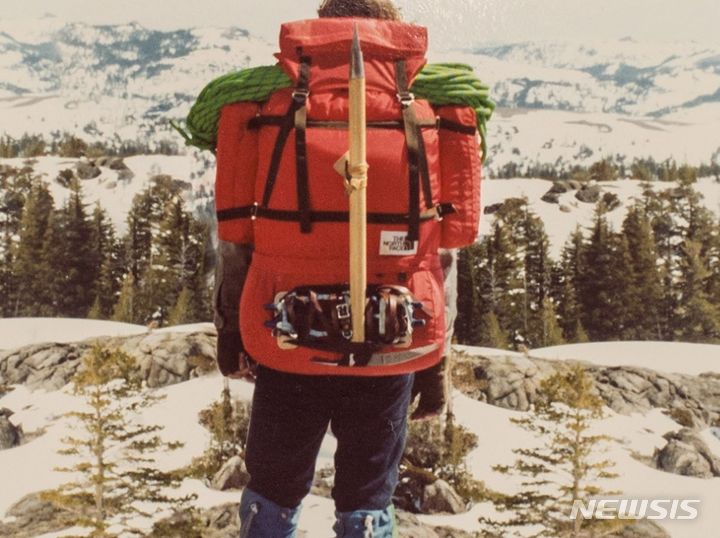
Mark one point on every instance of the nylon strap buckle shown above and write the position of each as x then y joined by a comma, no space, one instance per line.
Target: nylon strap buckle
300,95
406,98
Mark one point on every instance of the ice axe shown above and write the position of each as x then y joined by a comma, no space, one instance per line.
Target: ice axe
353,167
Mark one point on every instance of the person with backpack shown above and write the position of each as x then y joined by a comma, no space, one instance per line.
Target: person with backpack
282,302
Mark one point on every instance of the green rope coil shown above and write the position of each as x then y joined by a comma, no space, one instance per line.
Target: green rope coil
440,84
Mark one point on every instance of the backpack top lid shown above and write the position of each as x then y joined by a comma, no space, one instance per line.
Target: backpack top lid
327,42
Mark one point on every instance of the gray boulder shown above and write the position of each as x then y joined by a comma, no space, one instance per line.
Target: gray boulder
33,517
87,170
641,529
409,525
509,382
439,497
687,454
117,163
232,475
492,208
125,175
559,187
589,194
10,435
551,198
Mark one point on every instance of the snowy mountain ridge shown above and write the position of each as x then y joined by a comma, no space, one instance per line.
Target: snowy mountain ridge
620,77
126,82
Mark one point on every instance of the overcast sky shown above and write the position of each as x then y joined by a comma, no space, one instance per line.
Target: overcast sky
452,23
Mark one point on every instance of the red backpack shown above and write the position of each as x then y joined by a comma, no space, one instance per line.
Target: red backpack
277,188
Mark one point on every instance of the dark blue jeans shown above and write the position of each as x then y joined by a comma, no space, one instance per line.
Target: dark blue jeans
290,416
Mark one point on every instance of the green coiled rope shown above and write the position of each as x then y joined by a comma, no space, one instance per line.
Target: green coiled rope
440,84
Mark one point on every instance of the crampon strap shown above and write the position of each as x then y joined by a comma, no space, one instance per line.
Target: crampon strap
319,317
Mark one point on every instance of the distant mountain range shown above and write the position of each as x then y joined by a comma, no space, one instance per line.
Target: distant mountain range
559,103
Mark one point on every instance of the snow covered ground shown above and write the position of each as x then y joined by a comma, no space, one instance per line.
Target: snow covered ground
29,467
672,357
18,332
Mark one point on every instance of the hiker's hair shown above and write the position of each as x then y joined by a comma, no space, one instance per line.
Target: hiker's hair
372,9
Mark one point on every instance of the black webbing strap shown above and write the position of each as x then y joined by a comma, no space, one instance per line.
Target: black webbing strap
254,211
448,125
275,121
300,96
417,160
297,113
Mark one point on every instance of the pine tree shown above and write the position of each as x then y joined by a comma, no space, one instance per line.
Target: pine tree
491,333
228,422
30,293
180,313
195,275
698,318
713,264
76,260
52,265
163,280
645,294
604,284
536,276
565,466
579,334
566,285
95,311
114,452
467,323
15,185
552,334
107,256
604,170
124,309
640,171
502,279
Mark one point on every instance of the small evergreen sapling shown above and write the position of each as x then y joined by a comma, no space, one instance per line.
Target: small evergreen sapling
115,476
564,467
228,422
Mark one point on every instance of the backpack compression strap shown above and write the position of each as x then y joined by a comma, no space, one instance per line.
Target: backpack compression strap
417,159
296,117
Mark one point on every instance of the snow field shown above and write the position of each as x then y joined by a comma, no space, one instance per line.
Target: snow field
29,467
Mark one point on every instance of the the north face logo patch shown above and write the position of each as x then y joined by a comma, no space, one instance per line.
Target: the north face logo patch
396,244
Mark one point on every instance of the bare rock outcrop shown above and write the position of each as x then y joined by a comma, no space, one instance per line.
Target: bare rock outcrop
513,382
164,358
688,455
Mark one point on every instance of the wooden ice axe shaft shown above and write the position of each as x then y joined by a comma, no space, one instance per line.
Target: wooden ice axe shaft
358,191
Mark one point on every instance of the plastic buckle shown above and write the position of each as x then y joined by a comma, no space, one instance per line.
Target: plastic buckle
406,98
254,211
343,310
300,95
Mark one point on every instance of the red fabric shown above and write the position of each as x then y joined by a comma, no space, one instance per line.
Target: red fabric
328,42
237,158
284,258
461,172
